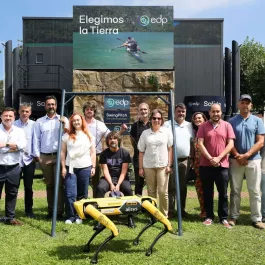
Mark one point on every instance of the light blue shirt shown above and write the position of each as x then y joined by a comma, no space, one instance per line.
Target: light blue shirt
246,131
26,156
46,135
184,137
15,135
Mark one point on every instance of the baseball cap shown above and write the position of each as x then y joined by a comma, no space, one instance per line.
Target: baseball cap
245,96
116,194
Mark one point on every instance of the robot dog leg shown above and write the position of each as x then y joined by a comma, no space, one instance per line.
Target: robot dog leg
106,222
155,214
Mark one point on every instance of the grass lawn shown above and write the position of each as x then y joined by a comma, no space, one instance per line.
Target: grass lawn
32,243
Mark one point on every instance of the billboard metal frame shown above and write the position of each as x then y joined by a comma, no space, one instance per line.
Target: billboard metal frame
58,163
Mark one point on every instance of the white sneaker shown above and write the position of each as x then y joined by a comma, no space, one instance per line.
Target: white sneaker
68,222
78,221
226,224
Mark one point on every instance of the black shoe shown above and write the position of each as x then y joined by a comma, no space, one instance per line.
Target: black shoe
97,226
30,215
131,223
263,220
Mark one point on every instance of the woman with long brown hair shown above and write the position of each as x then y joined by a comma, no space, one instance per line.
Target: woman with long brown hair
198,118
78,160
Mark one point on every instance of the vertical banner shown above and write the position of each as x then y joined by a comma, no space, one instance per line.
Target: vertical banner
123,37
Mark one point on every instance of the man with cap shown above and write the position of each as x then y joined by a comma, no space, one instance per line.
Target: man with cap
245,160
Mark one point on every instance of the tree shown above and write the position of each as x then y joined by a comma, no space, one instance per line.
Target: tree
252,64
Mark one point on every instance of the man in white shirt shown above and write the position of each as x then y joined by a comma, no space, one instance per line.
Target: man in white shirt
12,140
184,137
45,147
27,161
99,130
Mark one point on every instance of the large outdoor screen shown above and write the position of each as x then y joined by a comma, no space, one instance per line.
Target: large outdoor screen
145,32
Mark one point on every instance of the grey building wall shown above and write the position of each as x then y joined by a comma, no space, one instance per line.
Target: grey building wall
198,71
198,57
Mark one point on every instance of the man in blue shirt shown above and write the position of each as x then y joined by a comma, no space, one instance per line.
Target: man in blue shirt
246,161
27,162
45,146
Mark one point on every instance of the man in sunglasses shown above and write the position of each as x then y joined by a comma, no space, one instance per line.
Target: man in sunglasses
184,138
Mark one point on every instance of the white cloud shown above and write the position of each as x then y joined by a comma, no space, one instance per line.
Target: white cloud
182,8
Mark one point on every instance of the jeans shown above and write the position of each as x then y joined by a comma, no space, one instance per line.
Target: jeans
219,176
262,186
28,175
9,176
76,188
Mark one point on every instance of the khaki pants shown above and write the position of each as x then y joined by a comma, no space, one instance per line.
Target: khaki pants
48,167
252,171
157,184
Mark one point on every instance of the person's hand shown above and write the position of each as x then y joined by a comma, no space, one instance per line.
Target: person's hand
124,128
215,161
168,169
36,159
242,159
2,144
112,187
93,171
141,172
117,187
64,171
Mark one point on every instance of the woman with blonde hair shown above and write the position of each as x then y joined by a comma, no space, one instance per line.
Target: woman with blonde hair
78,160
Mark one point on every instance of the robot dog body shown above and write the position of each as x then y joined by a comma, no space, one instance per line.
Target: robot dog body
99,208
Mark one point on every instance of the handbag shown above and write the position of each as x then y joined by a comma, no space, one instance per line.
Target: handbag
191,175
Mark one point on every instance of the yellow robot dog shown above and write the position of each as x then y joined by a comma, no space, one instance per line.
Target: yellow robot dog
99,208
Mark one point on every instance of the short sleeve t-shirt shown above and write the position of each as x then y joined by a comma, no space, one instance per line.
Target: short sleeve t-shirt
114,161
246,131
215,140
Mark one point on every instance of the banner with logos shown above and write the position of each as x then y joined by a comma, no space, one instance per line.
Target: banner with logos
123,37
203,103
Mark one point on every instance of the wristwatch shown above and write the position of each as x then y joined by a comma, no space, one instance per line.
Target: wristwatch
7,144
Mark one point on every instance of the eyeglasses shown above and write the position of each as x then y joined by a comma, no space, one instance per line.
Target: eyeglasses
155,118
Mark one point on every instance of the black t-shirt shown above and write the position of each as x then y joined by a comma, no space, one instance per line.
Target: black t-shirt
115,160
136,131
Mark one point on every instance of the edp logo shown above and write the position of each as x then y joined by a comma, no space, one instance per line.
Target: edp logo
145,20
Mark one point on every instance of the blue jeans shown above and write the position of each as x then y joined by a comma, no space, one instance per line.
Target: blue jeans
262,187
76,188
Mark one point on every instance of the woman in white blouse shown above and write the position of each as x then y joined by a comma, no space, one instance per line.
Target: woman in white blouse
155,159
78,160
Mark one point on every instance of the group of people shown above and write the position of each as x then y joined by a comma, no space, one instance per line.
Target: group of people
218,151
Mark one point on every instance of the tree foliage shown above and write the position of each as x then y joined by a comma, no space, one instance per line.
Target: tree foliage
252,64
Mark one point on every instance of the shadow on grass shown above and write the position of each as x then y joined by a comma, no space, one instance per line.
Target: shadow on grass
77,252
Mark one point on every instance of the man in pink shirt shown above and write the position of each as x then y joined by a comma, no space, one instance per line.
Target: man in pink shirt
215,142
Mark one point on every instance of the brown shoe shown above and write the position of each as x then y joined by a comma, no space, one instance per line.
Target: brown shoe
232,222
259,225
13,222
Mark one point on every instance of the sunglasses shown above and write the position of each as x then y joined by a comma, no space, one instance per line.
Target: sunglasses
155,118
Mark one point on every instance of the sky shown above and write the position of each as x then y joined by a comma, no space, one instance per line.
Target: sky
242,18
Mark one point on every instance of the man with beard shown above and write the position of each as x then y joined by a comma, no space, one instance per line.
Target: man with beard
114,162
215,141
45,146
99,130
137,128
246,161
12,140
184,139
27,161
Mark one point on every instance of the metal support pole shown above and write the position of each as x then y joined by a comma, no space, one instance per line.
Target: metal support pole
175,155
58,167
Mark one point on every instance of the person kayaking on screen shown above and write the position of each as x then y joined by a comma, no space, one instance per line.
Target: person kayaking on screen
131,45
